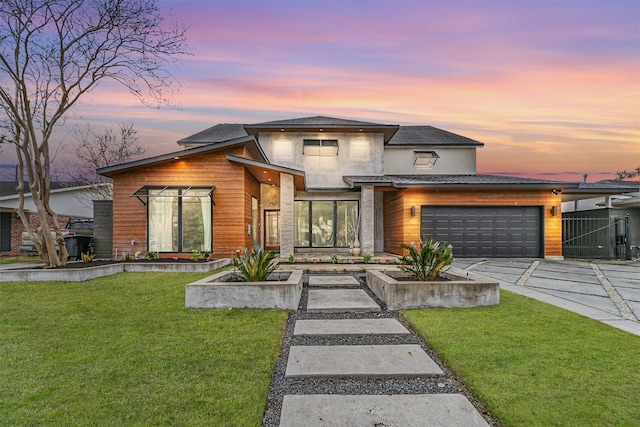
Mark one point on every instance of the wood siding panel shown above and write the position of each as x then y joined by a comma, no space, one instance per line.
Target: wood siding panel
205,170
404,228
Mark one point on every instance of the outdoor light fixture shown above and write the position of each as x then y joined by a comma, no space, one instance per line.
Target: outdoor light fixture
413,211
555,192
554,211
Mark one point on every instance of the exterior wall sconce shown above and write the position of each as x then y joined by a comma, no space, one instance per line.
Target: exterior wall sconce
554,211
413,211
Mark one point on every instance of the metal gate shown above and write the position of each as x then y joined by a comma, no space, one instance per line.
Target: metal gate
604,238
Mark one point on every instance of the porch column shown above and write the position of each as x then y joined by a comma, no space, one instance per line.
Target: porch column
367,230
286,214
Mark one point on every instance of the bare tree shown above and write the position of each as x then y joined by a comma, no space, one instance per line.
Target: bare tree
622,175
52,52
98,150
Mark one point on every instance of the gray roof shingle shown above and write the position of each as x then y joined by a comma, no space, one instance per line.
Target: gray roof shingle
428,135
315,121
218,133
469,180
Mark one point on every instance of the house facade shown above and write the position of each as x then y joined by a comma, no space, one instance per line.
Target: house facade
67,200
321,184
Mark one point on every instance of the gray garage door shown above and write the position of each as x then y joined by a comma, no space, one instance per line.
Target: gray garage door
485,231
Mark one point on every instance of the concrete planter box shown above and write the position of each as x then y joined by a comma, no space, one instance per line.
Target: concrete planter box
178,267
455,292
283,291
88,273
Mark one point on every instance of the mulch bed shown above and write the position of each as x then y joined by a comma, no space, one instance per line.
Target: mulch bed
99,263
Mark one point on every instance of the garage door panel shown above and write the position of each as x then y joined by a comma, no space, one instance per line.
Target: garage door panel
485,231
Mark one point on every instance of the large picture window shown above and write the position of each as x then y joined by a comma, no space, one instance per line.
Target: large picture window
324,224
179,220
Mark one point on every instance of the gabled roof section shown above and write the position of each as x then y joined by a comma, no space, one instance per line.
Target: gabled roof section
454,181
322,124
254,149
218,133
429,135
269,174
316,121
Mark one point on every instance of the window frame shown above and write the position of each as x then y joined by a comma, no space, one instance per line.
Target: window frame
183,192
335,220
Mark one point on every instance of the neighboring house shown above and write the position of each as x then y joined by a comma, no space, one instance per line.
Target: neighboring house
305,185
603,219
66,200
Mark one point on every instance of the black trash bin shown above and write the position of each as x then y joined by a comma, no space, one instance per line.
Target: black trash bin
77,245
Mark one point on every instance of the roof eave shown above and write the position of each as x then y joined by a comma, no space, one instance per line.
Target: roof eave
182,153
387,130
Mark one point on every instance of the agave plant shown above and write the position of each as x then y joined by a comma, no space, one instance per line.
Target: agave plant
256,264
426,261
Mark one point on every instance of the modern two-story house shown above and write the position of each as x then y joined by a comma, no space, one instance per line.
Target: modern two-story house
317,184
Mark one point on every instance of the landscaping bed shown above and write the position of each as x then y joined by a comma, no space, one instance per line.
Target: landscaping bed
398,291
79,271
223,290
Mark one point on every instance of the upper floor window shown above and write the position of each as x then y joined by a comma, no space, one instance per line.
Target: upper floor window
425,159
320,153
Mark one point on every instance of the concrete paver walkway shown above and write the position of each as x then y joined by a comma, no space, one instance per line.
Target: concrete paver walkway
340,300
400,361
345,327
605,291
433,410
407,360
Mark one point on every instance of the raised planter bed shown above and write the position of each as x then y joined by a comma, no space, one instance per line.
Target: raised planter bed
283,291
456,291
88,271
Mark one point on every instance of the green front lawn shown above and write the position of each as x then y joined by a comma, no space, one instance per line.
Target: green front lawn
18,259
123,350
533,364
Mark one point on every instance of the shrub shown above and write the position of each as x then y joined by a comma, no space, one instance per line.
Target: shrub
126,257
87,257
426,261
366,258
335,259
256,264
195,255
292,259
151,255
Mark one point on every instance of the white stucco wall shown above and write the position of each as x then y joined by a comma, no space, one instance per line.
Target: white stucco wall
452,161
285,149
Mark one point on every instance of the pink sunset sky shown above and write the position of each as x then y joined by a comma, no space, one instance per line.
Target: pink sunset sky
551,87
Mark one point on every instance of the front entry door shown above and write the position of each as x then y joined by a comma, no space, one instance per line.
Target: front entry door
272,230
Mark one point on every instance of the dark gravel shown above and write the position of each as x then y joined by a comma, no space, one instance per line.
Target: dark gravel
280,385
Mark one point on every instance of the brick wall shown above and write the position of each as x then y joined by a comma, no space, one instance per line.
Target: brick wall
17,228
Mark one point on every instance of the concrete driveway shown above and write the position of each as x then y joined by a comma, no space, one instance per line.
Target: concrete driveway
606,291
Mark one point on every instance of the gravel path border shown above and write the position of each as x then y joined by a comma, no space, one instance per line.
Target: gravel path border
280,386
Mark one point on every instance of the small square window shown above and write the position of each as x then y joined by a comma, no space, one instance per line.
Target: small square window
425,159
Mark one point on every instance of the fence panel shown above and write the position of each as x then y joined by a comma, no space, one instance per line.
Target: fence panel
601,238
